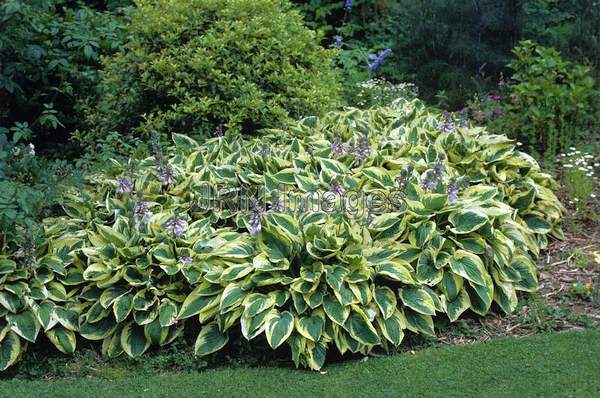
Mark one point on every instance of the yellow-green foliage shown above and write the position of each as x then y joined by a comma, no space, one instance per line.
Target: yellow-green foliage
141,254
193,65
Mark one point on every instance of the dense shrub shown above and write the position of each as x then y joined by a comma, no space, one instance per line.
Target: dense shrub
549,104
459,48
194,65
50,54
451,219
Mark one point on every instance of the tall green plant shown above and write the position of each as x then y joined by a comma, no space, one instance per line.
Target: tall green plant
550,105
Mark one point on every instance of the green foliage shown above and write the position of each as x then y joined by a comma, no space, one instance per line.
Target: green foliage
50,57
451,221
194,65
30,187
550,104
578,178
458,47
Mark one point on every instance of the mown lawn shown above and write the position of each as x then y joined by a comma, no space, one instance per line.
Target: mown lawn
562,365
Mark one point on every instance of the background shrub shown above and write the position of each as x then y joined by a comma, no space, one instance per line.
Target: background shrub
193,65
50,54
549,105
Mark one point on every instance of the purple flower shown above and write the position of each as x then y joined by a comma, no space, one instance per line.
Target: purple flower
338,42
124,185
338,147
452,191
502,83
337,188
428,184
176,226
348,5
438,170
167,176
362,150
276,204
141,213
186,260
377,60
447,127
497,111
497,98
255,222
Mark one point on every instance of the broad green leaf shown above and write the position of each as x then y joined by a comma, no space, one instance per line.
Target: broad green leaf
133,340
337,312
210,340
279,328
10,350
417,299
24,324
467,220
360,328
469,266
63,339
458,305
386,301
311,326
122,307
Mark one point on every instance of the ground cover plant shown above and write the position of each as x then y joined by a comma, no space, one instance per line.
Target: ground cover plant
343,232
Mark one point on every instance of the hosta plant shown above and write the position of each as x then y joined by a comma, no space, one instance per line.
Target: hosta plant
343,233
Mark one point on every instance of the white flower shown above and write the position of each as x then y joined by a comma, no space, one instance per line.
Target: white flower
576,200
596,164
567,166
592,196
573,148
32,149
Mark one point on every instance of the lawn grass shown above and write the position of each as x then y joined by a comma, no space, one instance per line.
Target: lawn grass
566,364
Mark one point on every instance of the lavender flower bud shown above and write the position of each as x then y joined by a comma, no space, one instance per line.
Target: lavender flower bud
338,147
167,176
452,191
337,188
141,213
124,185
379,59
186,260
176,226
255,222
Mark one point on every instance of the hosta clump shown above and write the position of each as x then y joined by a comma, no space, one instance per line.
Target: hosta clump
342,232
35,297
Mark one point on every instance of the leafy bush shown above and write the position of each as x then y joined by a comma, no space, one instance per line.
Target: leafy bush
50,55
457,47
194,65
550,104
344,231
30,188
